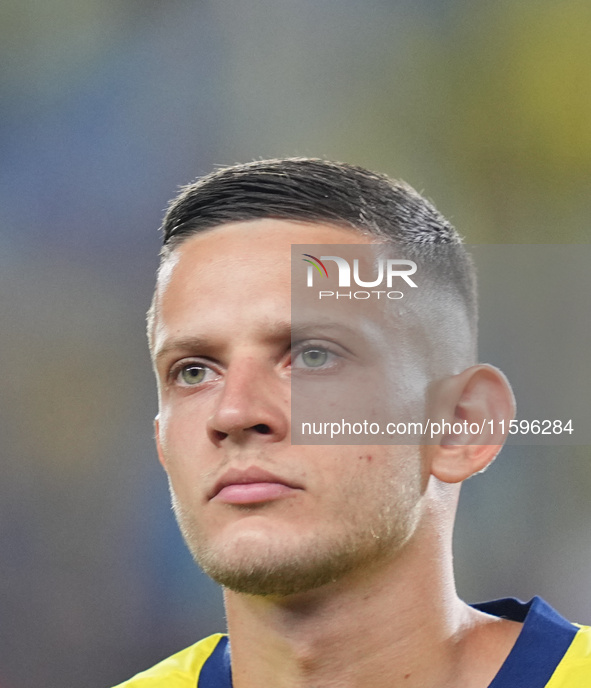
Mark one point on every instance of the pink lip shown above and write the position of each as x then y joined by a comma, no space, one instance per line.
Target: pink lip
250,486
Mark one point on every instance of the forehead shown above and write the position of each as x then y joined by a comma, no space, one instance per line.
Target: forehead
225,264
254,242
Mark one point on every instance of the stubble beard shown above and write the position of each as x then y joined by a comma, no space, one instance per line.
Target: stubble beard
272,566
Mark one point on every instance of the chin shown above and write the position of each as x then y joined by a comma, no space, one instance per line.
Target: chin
256,563
278,573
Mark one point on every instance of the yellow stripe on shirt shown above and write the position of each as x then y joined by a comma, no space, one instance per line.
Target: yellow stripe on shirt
179,671
574,670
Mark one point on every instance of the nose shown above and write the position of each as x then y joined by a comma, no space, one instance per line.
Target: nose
253,405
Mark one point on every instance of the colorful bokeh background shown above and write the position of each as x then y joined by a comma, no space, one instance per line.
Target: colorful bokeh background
106,107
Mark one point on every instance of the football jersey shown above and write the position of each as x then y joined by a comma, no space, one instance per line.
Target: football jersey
550,652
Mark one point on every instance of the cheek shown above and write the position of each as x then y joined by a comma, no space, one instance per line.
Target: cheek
182,440
183,423
351,477
378,474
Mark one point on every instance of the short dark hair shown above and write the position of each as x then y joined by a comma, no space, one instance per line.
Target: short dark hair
307,189
316,190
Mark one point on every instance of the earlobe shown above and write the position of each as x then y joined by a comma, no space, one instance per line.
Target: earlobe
473,409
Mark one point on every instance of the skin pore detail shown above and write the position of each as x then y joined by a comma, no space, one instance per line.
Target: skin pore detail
322,538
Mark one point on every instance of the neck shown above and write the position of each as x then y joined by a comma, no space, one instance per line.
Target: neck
398,624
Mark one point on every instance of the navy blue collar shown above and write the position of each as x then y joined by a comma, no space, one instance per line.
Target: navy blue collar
216,672
542,643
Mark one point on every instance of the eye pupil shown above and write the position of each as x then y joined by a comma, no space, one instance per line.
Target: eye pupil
314,358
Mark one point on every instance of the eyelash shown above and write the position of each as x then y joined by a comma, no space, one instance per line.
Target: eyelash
302,347
177,369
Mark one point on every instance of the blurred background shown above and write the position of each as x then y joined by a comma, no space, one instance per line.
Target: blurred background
106,107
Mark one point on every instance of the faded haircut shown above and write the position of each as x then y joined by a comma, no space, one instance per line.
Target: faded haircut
320,191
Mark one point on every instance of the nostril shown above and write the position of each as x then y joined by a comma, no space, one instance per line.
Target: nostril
262,428
219,436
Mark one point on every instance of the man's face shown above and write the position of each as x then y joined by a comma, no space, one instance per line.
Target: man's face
261,515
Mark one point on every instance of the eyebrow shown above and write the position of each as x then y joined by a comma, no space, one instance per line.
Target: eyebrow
272,331
305,329
278,331
182,344
367,335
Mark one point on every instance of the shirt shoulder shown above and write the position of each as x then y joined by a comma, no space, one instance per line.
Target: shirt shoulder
574,671
179,671
550,652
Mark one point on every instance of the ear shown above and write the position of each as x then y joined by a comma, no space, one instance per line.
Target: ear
158,444
472,411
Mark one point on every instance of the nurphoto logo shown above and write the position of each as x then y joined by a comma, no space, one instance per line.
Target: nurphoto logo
387,269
